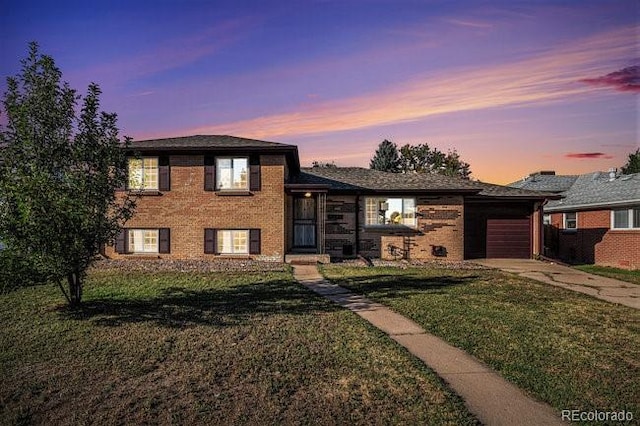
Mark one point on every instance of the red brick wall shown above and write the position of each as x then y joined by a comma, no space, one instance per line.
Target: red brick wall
187,209
440,223
594,241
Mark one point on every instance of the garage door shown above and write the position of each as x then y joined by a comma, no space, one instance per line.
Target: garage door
510,238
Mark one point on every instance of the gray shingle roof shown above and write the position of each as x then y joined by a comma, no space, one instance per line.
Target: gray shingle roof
598,189
209,142
357,178
551,183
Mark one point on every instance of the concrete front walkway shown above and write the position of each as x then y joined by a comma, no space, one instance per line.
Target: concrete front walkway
604,288
487,395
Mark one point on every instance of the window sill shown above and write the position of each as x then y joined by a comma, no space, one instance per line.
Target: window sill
141,256
233,193
145,193
233,256
625,230
385,228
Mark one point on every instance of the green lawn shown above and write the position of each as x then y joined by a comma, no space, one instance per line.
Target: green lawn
618,274
206,349
568,349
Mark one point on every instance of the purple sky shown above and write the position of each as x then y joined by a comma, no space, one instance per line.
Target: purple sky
514,86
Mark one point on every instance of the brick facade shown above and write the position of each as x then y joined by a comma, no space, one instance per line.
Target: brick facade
594,242
187,209
440,222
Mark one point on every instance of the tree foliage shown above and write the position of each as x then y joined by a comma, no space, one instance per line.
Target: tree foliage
386,158
633,163
324,164
422,158
58,175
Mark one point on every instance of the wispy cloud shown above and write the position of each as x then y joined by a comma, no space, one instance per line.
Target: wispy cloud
172,54
624,80
588,155
547,77
469,23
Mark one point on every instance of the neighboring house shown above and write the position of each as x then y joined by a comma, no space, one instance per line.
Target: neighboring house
229,197
597,220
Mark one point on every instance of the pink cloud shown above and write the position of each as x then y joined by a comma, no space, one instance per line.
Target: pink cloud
548,77
588,155
624,80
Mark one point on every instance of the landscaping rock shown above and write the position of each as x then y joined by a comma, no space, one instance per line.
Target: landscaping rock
165,265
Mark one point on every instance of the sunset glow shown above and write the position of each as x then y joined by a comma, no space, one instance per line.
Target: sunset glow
515,87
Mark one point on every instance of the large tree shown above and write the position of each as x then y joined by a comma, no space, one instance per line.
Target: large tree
58,175
422,158
386,158
633,164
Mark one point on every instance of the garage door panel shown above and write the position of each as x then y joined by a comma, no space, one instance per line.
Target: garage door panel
509,238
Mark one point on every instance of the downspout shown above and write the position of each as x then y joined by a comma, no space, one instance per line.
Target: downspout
357,251
541,227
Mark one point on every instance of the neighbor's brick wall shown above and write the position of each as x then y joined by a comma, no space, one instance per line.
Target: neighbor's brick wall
187,209
441,224
594,241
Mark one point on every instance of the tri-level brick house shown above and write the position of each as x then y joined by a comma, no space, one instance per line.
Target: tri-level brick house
221,196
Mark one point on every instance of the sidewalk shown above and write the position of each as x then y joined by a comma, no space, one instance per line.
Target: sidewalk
487,395
609,289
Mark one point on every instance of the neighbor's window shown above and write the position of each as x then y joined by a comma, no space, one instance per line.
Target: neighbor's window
143,173
143,241
233,241
546,219
391,211
571,220
232,173
626,218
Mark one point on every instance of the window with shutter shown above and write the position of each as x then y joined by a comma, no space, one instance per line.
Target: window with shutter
254,173
209,174
254,241
164,173
164,240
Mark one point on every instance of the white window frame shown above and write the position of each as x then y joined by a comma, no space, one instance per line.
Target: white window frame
373,216
564,221
235,237
145,238
233,186
148,171
546,219
630,223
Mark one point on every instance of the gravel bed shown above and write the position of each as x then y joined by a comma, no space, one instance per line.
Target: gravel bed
404,264
165,265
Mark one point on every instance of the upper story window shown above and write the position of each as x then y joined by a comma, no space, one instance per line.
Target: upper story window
232,173
390,211
571,220
625,218
143,173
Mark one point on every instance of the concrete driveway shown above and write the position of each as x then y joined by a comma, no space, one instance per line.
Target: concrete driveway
608,289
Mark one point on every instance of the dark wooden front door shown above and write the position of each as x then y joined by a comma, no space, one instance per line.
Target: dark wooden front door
304,222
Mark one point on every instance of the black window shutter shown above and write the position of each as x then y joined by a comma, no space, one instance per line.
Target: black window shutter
209,173
254,241
210,240
164,240
122,243
164,173
254,173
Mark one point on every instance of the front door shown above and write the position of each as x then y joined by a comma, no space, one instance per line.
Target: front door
304,222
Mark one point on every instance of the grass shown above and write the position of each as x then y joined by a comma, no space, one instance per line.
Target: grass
618,274
206,349
570,350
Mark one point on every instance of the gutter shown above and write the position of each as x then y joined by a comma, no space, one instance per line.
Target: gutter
591,205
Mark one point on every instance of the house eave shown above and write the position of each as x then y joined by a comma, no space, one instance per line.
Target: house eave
569,207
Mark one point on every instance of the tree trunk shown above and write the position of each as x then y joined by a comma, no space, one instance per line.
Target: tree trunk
75,288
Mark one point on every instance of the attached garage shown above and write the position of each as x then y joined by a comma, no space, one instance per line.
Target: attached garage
509,238
498,230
